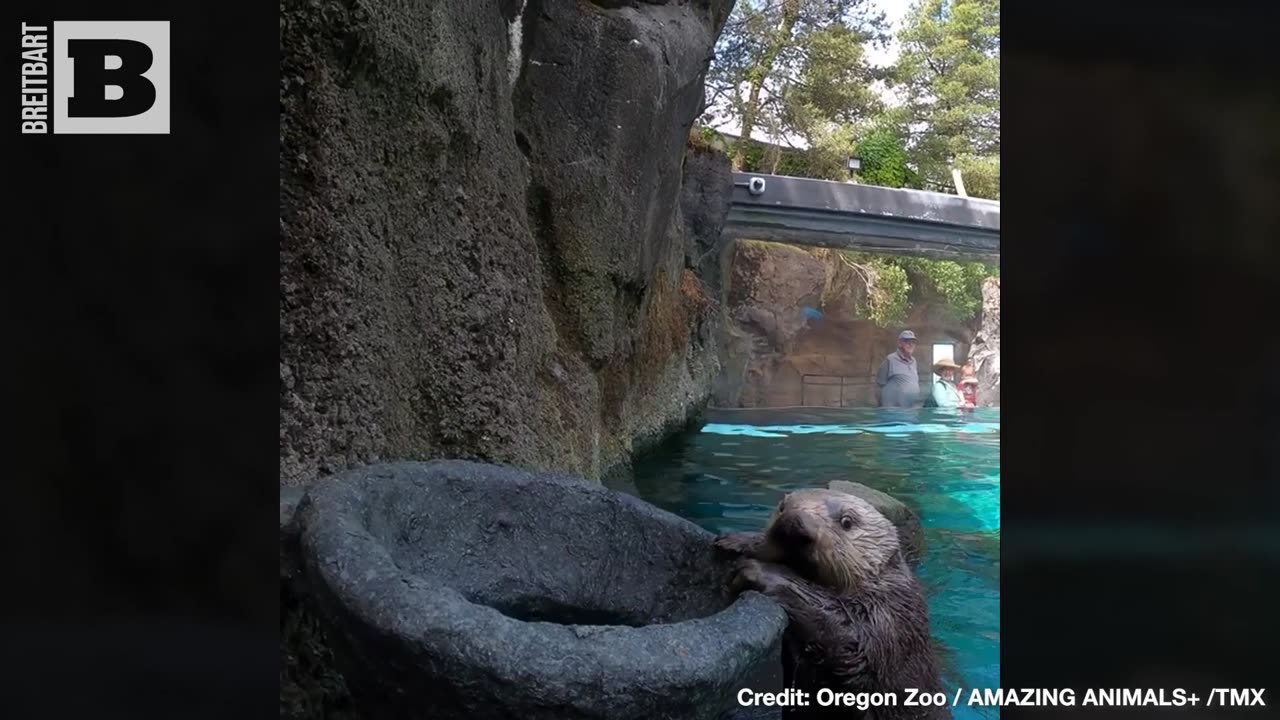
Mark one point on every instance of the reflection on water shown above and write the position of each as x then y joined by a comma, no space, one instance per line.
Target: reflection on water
943,463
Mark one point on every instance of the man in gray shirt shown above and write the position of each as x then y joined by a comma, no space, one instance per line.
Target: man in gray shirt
897,380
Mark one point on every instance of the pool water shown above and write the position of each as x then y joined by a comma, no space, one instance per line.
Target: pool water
943,463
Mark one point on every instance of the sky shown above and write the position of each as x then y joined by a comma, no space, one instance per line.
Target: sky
895,11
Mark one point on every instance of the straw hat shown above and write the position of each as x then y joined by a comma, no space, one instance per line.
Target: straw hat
945,364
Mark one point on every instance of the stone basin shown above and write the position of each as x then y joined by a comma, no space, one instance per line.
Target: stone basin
458,589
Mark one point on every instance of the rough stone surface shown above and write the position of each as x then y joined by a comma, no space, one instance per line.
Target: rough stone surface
453,589
704,201
289,499
310,685
985,353
482,244
773,339
910,534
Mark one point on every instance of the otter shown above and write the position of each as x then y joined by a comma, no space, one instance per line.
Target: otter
859,621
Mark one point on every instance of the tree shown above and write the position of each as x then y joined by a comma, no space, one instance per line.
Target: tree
949,71
834,83
890,281
884,159
830,147
981,174
796,67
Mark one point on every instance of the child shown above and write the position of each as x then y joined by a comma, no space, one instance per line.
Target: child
969,387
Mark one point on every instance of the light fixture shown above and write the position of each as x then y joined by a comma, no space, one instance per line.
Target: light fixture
855,164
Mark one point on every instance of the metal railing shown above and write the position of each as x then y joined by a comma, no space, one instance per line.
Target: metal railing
841,381
804,211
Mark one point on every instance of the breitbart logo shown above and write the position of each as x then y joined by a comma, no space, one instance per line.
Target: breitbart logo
95,78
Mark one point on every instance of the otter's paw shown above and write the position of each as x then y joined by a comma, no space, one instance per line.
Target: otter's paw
748,575
752,574
740,543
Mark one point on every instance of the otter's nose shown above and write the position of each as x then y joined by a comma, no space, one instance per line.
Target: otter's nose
794,529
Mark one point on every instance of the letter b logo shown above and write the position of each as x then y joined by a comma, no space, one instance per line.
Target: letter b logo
111,77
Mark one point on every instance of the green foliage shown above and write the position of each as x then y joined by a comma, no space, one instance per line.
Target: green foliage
888,289
884,159
890,299
794,67
958,283
948,70
891,280
799,69
829,152
752,157
912,179
757,157
708,134
833,86
794,164
981,175
698,140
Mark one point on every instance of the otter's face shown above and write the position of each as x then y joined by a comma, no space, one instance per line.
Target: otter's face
831,538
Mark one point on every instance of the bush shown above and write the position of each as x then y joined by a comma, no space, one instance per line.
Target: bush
890,279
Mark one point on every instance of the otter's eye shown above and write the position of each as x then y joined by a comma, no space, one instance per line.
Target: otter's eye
846,522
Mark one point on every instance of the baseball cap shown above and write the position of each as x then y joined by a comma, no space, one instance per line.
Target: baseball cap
906,335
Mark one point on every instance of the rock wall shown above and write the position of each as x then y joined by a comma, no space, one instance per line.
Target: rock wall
791,341
985,354
484,249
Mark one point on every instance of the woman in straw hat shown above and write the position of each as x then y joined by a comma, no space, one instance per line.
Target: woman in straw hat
945,392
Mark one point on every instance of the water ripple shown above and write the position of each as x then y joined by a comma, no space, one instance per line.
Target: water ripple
944,464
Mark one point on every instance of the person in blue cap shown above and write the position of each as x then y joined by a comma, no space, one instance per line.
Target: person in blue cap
898,380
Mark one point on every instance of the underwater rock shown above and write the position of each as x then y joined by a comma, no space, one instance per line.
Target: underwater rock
910,534
459,589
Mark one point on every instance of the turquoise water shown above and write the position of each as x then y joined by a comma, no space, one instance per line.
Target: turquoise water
944,464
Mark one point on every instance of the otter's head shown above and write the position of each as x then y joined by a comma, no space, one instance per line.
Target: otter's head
831,538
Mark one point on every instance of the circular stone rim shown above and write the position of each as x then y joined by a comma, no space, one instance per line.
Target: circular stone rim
423,614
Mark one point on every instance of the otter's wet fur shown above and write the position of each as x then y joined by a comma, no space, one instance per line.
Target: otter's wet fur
859,620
